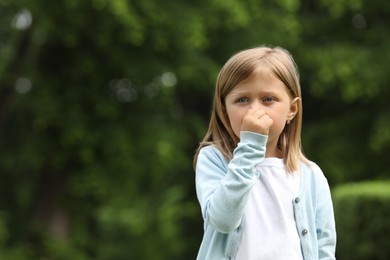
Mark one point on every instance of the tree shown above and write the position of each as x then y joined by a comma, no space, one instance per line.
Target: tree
104,102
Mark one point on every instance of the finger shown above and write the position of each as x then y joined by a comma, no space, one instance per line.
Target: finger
259,113
264,118
251,111
267,121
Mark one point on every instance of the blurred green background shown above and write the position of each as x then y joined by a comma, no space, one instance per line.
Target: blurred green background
103,103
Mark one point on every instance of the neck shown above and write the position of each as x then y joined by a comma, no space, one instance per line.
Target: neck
273,151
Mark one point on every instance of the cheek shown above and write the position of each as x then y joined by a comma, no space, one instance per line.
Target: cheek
234,114
279,121
235,118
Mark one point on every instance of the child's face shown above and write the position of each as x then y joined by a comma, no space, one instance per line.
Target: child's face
264,92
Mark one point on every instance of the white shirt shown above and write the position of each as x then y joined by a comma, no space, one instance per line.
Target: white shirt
270,231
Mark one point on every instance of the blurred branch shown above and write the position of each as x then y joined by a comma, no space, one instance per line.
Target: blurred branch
11,73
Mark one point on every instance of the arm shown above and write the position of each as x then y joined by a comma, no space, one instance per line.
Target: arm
325,222
222,188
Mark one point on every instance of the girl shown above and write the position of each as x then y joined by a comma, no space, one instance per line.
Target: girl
260,197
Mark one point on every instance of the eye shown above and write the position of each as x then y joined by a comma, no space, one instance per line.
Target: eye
268,99
243,100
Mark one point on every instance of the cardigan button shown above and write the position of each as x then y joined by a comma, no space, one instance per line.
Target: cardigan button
297,200
304,232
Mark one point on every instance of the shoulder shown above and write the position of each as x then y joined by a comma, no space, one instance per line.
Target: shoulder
314,184
312,168
312,173
210,157
210,152
315,168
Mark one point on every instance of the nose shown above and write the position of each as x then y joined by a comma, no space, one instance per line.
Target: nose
256,104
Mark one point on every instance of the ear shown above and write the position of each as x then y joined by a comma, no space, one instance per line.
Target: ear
293,108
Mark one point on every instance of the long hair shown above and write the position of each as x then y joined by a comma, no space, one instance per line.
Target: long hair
238,68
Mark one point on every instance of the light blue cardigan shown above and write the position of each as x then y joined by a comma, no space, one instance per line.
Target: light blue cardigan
222,188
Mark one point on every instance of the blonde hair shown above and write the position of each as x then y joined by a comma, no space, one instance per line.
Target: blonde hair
239,67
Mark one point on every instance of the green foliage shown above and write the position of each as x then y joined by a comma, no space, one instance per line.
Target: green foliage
102,104
362,221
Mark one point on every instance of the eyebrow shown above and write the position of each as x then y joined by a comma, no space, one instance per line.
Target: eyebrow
246,92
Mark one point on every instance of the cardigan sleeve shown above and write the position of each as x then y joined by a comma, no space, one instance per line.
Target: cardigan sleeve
222,187
325,222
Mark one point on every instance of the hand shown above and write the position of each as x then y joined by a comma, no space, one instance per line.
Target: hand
256,120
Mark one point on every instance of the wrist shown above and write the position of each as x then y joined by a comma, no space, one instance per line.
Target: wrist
253,137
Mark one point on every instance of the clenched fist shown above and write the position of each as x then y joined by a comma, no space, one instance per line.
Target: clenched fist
256,120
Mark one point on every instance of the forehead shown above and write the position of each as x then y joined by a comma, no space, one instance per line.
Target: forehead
261,79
